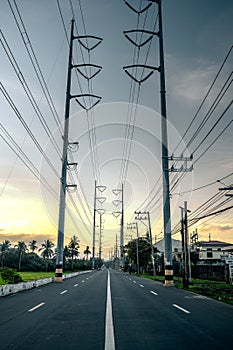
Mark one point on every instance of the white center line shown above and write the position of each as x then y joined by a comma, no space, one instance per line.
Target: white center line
76,285
134,282
141,285
180,308
64,291
153,292
109,333
83,281
36,307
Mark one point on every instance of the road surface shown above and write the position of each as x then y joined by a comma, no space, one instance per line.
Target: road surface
107,310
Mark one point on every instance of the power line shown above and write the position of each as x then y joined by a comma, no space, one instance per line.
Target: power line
205,98
35,63
28,92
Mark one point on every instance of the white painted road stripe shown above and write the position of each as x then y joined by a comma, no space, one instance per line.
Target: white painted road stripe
180,308
141,285
83,281
75,285
153,292
64,291
134,282
109,333
36,307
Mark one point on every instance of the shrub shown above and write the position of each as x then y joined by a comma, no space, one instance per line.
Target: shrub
10,276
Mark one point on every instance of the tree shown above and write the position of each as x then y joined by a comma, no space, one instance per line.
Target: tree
32,245
47,251
144,251
21,249
73,247
87,252
5,246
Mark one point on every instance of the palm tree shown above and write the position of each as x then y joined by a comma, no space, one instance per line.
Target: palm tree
22,248
47,252
87,252
4,248
73,247
32,245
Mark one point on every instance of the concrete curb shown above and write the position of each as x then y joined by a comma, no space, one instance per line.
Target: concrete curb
15,288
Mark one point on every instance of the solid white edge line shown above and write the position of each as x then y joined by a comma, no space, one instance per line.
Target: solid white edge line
36,307
153,292
109,333
180,308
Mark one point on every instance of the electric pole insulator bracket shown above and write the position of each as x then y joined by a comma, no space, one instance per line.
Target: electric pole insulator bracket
140,11
126,32
152,69
91,76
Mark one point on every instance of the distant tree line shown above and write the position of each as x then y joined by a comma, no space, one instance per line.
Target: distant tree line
30,257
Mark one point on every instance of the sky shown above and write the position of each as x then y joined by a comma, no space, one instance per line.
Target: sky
125,124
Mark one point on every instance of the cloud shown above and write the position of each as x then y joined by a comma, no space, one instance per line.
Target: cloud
14,238
190,80
226,228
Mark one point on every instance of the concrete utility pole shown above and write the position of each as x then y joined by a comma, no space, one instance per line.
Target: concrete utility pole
185,285
134,226
101,211
147,217
100,242
63,185
116,202
165,161
187,268
94,226
165,157
122,227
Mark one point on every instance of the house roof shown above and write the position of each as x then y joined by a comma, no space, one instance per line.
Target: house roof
213,244
161,245
228,248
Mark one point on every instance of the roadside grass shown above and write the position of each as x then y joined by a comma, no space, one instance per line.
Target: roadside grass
2,283
213,289
32,276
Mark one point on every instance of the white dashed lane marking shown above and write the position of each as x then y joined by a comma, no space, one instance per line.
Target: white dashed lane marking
141,285
36,307
64,291
75,285
180,308
152,292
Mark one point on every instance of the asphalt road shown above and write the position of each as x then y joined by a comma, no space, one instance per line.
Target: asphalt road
112,310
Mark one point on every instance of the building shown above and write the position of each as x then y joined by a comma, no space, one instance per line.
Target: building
214,251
